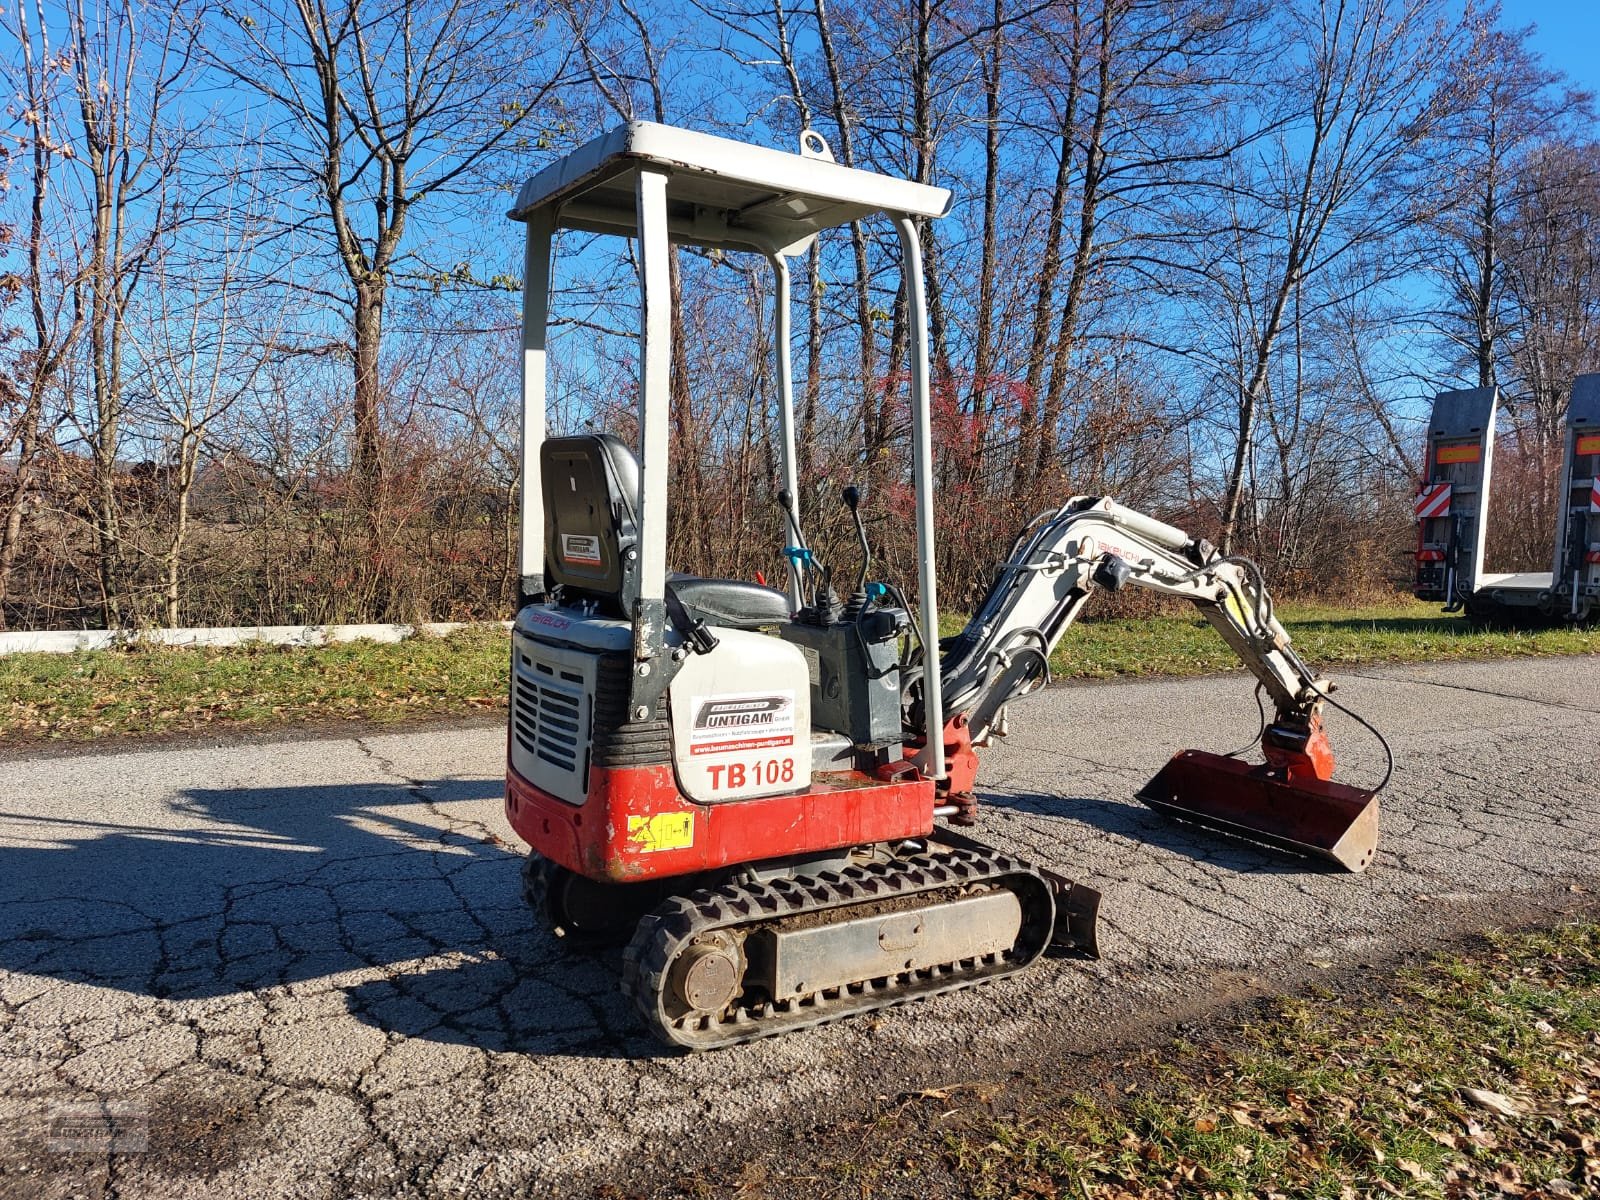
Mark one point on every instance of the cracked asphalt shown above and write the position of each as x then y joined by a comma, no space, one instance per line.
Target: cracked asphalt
303,968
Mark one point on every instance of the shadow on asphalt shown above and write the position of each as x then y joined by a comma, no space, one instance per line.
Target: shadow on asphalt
1137,823
293,887
285,887
569,1005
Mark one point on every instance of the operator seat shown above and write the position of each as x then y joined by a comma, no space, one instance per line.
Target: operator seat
591,520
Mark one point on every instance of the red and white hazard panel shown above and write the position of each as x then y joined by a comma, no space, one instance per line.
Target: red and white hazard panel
1433,501
1594,496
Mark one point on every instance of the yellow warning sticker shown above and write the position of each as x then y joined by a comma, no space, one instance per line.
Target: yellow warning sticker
1459,454
1235,610
664,831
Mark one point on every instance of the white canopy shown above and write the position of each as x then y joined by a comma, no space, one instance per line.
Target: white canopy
663,185
720,193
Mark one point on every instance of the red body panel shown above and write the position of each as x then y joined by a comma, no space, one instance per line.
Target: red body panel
636,825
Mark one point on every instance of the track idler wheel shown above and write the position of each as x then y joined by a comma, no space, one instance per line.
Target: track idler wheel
583,912
707,977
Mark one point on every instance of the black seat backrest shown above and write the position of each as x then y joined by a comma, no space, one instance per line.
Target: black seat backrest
591,519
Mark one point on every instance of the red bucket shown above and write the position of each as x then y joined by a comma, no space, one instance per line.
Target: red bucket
1305,815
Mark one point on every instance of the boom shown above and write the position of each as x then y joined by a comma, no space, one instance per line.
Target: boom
1056,564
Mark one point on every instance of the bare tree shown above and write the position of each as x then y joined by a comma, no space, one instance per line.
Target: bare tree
1503,104
865,318
201,349
1129,112
627,64
50,282
1357,80
379,113
1552,261
127,148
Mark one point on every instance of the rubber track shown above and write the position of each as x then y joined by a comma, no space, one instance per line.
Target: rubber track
671,928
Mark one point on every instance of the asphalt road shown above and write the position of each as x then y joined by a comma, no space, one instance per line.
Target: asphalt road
302,968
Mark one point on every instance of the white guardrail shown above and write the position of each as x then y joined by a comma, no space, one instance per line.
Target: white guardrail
66,641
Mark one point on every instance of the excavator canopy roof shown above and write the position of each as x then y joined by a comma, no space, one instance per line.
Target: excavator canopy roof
720,193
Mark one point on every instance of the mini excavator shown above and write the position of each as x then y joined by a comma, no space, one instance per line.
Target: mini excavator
761,792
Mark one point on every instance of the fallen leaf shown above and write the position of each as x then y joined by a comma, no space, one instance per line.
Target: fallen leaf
1206,1125
1493,1101
1508,1179
1413,1169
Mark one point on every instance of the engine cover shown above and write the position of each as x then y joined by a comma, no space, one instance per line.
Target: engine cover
741,719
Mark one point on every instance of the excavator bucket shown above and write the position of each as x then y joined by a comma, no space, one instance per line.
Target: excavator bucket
1288,801
1314,817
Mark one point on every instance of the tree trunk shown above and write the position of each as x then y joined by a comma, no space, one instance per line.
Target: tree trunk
983,347
813,389
367,405
1249,399
1487,261
871,426
1082,258
1028,432
172,592
106,379
15,505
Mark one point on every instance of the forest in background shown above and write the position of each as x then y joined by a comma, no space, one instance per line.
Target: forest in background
259,299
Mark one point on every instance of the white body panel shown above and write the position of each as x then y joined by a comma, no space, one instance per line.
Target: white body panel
741,719
551,688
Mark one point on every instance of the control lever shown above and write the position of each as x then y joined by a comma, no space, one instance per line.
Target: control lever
852,500
801,560
858,599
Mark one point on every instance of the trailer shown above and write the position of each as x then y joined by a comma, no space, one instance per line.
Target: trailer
1452,514
1575,588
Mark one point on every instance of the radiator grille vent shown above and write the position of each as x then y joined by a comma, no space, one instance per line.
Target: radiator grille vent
550,717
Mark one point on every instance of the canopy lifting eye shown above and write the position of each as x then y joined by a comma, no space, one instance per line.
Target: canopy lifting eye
814,145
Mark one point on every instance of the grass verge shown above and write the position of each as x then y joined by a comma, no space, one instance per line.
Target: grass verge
140,691
156,690
1326,637
1470,1076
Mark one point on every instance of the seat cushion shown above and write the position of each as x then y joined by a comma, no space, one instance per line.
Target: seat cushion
731,603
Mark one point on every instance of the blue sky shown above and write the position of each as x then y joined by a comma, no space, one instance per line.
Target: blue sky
1568,34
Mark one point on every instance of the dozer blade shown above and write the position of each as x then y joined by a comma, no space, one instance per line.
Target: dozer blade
1315,817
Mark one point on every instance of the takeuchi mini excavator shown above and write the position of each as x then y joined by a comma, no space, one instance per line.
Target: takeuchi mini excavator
760,791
